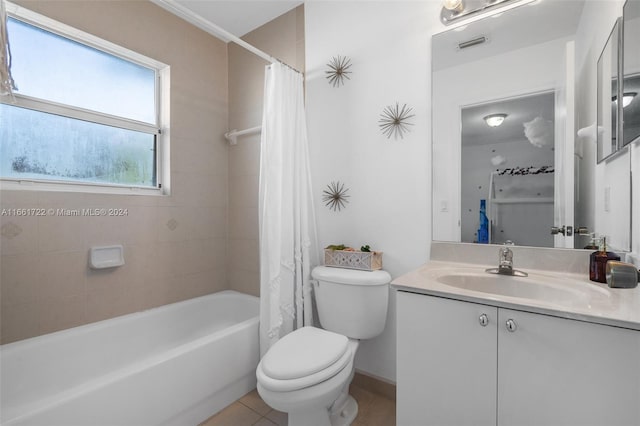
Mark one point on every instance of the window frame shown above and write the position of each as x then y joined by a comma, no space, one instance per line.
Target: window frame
160,130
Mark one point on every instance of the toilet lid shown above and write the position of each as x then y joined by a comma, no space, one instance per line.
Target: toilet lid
303,352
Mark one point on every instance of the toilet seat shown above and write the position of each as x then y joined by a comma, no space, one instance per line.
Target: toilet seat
303,358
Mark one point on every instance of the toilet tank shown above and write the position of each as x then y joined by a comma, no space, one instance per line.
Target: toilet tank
351,302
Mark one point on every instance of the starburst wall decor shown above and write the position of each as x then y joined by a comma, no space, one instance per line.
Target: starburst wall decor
338,70
393,120
335,196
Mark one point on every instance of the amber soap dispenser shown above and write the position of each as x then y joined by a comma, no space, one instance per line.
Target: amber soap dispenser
598,262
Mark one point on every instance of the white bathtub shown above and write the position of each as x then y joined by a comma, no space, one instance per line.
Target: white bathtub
173,365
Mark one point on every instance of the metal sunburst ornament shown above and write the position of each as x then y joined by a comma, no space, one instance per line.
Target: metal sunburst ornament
393,120
338,70
335,196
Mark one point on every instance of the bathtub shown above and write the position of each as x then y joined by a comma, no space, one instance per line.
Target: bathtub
173,365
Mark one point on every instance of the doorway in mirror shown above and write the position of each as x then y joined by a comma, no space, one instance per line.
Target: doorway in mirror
508,166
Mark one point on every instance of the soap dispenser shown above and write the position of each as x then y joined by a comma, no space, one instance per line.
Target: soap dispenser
598,262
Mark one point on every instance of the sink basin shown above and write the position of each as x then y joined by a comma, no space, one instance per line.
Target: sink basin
534,287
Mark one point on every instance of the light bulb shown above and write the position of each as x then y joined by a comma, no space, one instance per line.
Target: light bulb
453,5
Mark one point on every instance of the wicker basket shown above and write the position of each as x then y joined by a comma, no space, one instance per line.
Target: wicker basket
366,261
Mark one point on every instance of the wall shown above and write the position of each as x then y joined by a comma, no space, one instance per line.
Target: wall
388,180
282,38
175,246
596,23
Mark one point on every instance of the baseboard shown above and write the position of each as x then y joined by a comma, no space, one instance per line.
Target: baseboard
375,385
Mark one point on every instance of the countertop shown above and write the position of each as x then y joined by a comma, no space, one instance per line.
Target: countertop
599,303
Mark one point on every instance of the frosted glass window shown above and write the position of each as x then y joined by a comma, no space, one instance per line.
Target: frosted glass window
54,68
43,146
85,110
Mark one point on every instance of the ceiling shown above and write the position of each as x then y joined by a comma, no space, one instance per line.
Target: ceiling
520,110
237,17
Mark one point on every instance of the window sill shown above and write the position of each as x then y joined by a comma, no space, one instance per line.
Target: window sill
82,187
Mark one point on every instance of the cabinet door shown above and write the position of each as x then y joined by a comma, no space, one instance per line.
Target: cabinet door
554,371
446,362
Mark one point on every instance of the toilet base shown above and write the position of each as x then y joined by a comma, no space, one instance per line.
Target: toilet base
318,417
346,413
343,415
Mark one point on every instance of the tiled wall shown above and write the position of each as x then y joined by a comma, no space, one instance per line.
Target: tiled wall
283,38
175,246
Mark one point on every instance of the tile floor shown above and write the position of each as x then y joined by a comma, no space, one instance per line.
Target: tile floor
251,410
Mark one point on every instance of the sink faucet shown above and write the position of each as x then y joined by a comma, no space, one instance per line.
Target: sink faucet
505,266
505,263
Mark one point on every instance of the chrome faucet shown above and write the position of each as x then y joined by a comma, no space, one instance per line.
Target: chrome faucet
505,262
505,265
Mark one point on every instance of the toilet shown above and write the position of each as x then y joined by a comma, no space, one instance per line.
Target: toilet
307,372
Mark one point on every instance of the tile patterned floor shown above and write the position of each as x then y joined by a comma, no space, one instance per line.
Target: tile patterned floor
251,410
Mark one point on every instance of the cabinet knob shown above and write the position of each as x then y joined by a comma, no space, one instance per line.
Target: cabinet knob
511,325
483,319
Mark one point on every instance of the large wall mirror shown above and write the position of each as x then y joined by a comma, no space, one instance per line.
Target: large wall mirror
608,70
505,164
631,73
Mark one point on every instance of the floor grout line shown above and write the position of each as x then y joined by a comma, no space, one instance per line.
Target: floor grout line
262,416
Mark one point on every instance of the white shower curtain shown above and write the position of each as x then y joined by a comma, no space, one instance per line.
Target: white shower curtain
288,243
7,85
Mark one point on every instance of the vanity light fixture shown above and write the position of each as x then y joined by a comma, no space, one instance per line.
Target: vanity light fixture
626,98
453,10
494,120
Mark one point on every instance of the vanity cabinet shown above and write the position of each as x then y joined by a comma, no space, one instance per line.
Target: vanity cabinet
462,363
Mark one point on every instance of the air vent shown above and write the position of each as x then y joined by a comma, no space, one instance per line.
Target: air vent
474,42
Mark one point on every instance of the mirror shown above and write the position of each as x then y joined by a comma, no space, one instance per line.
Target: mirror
608,96
507,170
485,67
631,73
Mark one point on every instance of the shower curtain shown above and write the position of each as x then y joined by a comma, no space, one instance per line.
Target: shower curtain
288,242
7,85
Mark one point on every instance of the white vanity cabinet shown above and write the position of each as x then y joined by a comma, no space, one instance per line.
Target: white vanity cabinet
446,362
462,363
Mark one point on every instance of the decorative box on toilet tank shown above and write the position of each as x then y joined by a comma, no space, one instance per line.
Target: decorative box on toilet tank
351,259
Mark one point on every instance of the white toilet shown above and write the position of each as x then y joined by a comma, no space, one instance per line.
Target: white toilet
307,373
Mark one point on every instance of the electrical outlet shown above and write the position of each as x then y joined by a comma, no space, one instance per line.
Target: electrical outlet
444,206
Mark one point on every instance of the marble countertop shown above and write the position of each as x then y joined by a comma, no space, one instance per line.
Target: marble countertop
594,302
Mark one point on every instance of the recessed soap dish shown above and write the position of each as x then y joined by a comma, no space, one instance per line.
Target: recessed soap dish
106,257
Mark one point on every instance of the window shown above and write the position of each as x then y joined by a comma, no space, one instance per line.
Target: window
86,112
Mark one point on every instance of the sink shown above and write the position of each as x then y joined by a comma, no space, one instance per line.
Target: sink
535,287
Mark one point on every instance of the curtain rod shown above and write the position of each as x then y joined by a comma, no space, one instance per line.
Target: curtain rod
232,136
213,29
